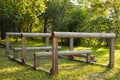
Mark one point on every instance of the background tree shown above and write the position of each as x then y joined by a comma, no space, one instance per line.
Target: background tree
19,14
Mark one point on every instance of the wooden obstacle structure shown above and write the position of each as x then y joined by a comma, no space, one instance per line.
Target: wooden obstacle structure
55,49
24,48
56,35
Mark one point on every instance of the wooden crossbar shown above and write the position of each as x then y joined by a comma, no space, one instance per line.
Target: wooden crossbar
83,35
36,48
13,34
39,54
36,34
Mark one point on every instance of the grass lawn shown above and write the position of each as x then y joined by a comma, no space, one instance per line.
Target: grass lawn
68,70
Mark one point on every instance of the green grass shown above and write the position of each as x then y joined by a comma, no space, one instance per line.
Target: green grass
68,70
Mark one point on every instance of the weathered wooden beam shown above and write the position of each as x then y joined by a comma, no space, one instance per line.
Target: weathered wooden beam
111,54
42,69
37,48
54,69
83,35
36,61
78,52
36,34
71,44
13,34
29,34
24,59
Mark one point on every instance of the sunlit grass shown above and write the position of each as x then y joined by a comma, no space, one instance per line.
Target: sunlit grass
68,69
9,70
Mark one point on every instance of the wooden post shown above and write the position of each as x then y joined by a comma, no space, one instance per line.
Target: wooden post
7,45
54,69
24,49
71,44
111,54
88,58
47,41
15,55
36,61
71,47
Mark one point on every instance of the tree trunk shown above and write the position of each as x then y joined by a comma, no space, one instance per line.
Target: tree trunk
31,28
45,25
2,30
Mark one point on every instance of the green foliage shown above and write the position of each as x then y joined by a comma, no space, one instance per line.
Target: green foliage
21,13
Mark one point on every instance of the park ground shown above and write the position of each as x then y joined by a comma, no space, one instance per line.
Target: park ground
68,69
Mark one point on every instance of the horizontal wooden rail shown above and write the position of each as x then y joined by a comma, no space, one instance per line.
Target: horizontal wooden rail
39,54
28,34
36,48
36,34
83,35
13,34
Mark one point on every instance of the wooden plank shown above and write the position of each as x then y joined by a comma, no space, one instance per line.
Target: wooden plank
111,54
37,48
17,60
36,34
78,52
42,69
83,35
13,34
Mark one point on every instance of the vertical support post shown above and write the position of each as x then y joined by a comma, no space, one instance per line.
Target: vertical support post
36,61
88,58
15,55
47,41
71,44
7,45
111,54
24,59
71,47
54,69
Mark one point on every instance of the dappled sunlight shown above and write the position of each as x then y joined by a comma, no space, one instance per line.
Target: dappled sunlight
101,49
81,72
117,58
10,70
67,69
82,48
66,65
